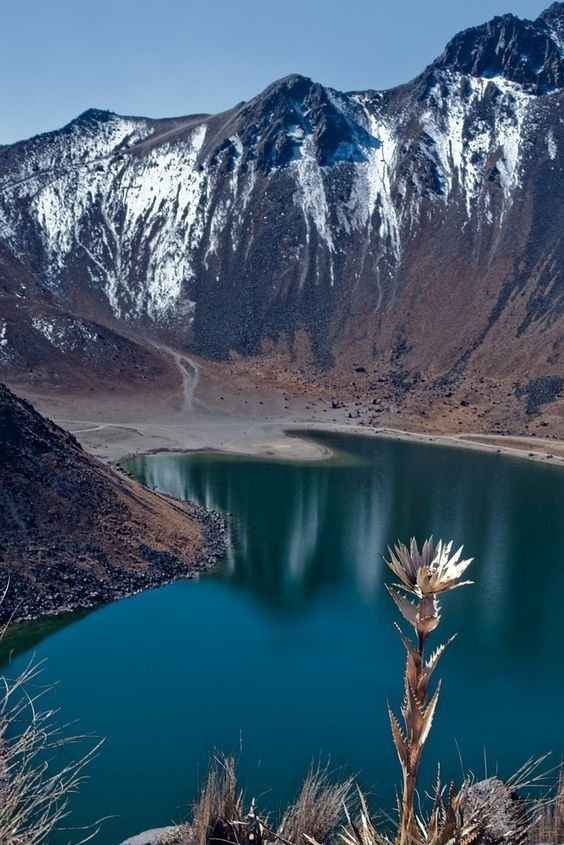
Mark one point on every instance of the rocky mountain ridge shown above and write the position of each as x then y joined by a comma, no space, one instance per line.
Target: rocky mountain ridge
415,231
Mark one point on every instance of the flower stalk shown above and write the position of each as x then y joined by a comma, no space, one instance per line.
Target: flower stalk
423,575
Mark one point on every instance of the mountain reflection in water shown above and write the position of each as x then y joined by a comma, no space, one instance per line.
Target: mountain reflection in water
313,526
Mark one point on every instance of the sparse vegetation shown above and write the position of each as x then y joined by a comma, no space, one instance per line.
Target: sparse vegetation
222,816
33,795
548,825
34,792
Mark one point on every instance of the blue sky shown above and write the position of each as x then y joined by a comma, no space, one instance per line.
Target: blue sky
172,57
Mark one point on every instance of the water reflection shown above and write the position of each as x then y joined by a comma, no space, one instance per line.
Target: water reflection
298,530
26,636
308,540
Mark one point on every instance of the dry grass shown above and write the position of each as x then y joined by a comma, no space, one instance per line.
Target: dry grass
34,793
33,797
221,815
548,825
318,812
362,830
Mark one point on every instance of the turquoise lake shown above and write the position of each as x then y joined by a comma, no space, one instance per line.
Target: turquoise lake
286,653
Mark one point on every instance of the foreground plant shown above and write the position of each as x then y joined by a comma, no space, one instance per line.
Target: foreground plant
548,817
423,576
222,817
34,794
488,812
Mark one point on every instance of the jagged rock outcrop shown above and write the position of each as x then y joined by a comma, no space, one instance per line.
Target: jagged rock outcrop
74,532
424,221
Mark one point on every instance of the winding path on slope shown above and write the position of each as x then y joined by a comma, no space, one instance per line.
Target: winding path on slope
189,380
184,365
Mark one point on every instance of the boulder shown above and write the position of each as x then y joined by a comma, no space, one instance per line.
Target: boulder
150,837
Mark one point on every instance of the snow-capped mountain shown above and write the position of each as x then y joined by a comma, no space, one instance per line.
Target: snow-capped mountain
423,223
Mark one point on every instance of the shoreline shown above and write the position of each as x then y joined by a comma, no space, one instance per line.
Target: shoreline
126,583
485,443
209,413
118,429
288,441
292,443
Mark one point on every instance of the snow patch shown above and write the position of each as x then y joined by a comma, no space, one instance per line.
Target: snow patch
134,222
463,141
66,334
374,181
310,194
551,145
7,354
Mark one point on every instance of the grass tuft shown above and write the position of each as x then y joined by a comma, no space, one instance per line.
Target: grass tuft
318,811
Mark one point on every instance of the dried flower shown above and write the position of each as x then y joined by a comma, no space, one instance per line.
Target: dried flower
423,574
429,571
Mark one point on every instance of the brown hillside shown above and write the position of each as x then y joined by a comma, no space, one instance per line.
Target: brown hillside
74,532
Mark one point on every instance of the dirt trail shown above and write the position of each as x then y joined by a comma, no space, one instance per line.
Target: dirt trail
189,381
184,364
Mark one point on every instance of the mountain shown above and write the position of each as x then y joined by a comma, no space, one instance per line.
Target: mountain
119,537
414,231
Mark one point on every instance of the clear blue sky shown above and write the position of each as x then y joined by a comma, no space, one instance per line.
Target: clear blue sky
172,57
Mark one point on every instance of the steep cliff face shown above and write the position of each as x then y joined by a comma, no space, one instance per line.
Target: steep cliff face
420,224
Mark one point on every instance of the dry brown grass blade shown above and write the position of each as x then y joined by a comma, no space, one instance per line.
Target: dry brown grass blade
318,811
219,810
362,829
34,794
33,798
547,817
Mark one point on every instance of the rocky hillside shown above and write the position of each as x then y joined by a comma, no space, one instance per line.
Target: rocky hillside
118,536
416,231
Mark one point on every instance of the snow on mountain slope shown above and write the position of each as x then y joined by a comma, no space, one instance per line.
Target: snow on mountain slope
310,208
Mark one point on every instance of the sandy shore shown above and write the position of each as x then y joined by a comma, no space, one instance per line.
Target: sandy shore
113,427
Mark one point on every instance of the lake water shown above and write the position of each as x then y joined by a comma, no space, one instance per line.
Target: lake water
287,653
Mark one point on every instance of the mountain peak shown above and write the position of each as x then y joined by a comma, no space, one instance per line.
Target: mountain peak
92,118
522,51
294,85
555,10
553,19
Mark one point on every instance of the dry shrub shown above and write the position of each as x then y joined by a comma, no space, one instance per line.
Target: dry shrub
423,576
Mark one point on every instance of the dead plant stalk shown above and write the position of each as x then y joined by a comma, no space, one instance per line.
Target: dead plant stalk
423,575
